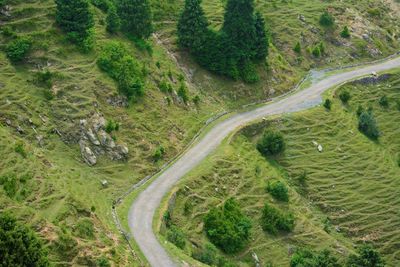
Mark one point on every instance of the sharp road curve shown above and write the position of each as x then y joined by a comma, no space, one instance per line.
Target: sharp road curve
143,209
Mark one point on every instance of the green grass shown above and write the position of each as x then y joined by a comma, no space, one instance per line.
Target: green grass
53,189
349,196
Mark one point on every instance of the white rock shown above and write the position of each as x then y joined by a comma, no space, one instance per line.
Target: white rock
320,148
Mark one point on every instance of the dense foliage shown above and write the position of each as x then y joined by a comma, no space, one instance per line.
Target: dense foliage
113,20
227,227
278,190
103,5
345,97
232,51
367,125
17,49
19,246
176,237
122,67
273,220
326,19
76,19
271,143
366,256
136,18
345,33
307,258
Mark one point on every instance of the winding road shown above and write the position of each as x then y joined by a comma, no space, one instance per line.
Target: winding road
143,209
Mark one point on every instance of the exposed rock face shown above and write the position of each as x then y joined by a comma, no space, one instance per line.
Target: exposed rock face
95,141
87,154
373,79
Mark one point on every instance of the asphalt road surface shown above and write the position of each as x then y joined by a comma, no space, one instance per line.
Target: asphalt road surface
143,208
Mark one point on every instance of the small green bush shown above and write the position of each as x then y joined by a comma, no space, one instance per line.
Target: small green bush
176,237
297,48
196,100
345,33
360,110
327,20
367,125
316,51
384,101
18,49
328,104
308,258
271,143
159,153
278,190
345,96
111,126
273,220
10,185
19,148
165,87
7,31
227,227
207,255
366,256
103,262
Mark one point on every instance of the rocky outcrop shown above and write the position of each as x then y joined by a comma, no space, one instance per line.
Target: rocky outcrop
95,141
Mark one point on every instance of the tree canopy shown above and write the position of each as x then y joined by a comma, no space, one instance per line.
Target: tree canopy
19,245
136,17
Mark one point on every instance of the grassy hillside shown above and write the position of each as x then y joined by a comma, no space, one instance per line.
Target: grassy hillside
51,188
348,196
374,27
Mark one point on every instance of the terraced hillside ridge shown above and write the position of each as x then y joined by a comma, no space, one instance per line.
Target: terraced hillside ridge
341,197
72,144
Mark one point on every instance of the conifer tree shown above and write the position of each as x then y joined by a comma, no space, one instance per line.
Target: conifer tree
192,25
135,17
239,26
261,42
113,20
75,18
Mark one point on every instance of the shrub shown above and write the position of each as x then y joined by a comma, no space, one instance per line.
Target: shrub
19,148
159,153
344,96
111,126
18,49
307,258
8,31
360,110
271,143
165,87
183,93
278,190
367,125
10,185
196,100
398,105
115,60
345,33
326,19
103,262
316,51
176,237
384,102
273,220
248,73
84,228
227,227
297,48
19,245
207,255
328,104
366,256
135,17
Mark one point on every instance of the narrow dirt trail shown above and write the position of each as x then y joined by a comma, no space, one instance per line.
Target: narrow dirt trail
143,208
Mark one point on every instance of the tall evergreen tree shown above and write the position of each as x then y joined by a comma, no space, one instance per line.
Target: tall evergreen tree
135,17
261,42
239,25
75,18
113,20
192,26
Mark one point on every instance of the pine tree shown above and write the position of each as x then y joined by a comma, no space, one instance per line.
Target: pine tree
192,26
261,41
239,25
75,18
113,20
135,17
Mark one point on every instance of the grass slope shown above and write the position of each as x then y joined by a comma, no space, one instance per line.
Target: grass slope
350,194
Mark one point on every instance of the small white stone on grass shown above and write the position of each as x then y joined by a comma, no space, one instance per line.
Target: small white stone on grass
320,148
